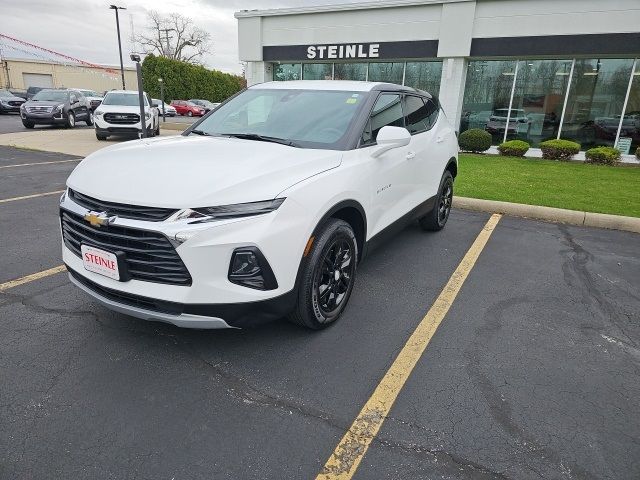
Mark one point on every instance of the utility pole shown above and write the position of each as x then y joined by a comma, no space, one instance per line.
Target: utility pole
116,8
143,119
166,31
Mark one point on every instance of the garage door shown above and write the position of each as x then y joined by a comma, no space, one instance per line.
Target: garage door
37,80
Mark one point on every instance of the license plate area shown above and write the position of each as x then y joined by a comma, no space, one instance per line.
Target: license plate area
103,262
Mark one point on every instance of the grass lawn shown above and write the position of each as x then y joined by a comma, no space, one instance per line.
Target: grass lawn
571,185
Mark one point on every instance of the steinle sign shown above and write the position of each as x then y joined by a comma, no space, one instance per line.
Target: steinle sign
358,50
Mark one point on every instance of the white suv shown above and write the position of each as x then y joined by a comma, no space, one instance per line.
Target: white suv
119,114
262,209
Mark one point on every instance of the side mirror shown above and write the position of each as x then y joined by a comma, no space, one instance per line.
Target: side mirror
390,138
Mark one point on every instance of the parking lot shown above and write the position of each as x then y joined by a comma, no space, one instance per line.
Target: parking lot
533,372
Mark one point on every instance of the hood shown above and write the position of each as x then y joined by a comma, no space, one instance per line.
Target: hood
13,99
195,171
121,108
42,103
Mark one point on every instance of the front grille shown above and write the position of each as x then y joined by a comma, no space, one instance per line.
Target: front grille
134,212
149,255
15,103
122,118
38,109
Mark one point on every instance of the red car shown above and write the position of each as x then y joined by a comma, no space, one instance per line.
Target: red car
187,108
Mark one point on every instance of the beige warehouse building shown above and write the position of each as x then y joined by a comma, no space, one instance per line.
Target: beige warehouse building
21,74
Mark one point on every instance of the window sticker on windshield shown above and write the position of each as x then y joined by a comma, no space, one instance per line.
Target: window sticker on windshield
352,100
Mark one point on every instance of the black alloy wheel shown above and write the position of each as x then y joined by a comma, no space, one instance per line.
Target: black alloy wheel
437,218
328,274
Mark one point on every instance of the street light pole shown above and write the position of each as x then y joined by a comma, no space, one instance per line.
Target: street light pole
116,8
161,82
143,119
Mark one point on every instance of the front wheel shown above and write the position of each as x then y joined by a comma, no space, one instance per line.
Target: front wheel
189,113
328,274
89,120
28,124
437,218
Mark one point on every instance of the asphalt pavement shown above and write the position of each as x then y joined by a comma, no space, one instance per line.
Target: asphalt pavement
534,372
11,123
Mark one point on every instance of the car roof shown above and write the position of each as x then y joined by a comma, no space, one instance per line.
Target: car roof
337,85
124,91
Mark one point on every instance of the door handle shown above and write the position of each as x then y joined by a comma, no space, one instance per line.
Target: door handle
411,155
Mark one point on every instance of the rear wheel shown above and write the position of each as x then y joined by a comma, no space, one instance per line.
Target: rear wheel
437,218
328,274
189,113
157,131
89,120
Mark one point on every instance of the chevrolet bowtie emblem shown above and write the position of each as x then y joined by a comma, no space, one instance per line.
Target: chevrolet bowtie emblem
97,219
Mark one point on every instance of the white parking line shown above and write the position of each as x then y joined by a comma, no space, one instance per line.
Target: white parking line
25,197
39,163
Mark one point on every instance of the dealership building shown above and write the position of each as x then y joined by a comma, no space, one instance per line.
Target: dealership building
527,69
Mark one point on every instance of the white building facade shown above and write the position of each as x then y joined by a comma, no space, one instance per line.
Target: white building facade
527,69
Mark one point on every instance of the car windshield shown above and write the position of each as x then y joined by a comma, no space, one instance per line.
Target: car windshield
89,93
306,118
126,99
51,96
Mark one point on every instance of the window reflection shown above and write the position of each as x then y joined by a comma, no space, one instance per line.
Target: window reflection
350,71
630,131
287,71
595,102
317,71
486,97
424,75
386,72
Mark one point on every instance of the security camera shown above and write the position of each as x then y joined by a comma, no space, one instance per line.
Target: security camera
135,57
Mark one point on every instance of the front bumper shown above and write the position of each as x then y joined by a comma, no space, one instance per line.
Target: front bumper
9,108
45,119
211,301
106,128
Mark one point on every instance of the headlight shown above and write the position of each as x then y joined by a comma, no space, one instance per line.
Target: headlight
239,210
59,107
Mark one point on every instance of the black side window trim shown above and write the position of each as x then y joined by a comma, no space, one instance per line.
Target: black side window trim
426,102
373,104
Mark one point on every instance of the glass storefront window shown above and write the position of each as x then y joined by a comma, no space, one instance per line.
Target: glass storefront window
350,71
486,96
287,71
424,75
631,122
596,99
386,72
539,94
317,71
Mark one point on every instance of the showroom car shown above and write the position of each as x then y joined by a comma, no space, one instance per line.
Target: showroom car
119,114
9,103
189,109
64,107
261,210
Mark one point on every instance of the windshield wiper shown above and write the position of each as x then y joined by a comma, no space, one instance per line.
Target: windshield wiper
261,138
200,132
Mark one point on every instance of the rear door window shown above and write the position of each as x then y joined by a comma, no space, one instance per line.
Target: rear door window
416,114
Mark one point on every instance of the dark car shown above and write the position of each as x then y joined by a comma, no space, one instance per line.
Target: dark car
31,91
9,102
56,107
19,93
206,104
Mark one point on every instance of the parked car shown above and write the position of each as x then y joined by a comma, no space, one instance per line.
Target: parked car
31,91
17,92
189,109
518,122
206,104
119,114
262,209
64,107
93,97
169,111
9,102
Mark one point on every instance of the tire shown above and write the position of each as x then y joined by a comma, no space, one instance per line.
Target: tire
28,124
189,113
71,120
333,246
437,218
157,131
101,137
89,120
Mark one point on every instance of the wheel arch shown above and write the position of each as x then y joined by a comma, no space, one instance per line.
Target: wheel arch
352,212
452,166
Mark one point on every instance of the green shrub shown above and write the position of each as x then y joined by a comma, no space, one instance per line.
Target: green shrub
513,148
638,153
559,149
603,155
474,140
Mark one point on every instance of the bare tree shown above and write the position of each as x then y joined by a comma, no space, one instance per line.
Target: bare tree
174,36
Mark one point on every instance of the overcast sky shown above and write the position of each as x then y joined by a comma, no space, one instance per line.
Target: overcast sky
86,29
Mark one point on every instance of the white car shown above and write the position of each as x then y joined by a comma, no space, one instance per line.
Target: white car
169,111
93,97
119,114
261,210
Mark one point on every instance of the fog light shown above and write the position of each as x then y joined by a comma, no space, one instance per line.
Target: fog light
249,268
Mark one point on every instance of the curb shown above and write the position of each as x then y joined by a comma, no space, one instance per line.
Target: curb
174,126
560,215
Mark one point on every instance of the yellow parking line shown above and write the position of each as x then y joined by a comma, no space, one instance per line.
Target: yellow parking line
31,278
344,461
7,200
39,163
